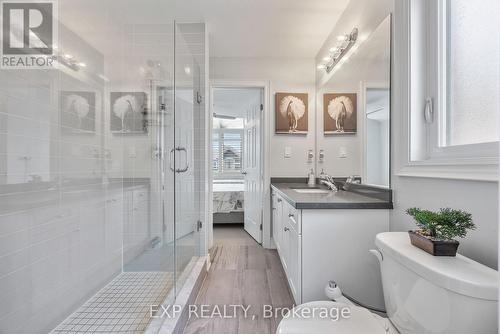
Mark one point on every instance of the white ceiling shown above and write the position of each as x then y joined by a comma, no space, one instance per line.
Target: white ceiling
270,28
238,28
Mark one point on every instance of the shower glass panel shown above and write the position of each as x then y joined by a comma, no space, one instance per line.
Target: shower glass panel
189,135
148,157
102,170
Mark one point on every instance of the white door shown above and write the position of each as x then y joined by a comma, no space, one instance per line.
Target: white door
252,171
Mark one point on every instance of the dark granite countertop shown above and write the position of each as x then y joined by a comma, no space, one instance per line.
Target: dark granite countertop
361,198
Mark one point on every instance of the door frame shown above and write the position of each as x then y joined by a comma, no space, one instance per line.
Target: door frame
363,87
265,153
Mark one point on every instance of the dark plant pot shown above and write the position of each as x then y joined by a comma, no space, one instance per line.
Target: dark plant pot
434,247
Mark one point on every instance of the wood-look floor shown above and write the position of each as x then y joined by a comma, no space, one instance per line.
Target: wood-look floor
242,273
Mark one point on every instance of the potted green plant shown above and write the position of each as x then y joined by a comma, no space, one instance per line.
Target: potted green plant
438,231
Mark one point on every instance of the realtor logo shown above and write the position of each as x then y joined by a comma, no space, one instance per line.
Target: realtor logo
28,34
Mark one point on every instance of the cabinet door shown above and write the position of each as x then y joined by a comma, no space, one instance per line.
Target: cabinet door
277,220
284,242
114,226
294,261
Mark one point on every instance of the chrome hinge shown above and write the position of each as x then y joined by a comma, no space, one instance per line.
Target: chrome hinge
199,225
261,226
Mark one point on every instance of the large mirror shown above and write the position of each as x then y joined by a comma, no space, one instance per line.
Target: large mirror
353,118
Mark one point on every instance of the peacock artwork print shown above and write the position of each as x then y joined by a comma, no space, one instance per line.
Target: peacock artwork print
77,112
339,113
291,113
128,113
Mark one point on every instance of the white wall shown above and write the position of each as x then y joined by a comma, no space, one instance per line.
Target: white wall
479,198
284,75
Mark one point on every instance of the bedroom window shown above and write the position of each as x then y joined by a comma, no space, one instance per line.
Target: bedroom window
455,88
227,147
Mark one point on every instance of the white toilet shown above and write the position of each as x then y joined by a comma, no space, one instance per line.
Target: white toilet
423,294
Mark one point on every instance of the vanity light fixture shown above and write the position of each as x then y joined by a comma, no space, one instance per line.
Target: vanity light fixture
337,52
70,61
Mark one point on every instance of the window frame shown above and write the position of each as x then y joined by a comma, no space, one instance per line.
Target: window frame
222,175
425,29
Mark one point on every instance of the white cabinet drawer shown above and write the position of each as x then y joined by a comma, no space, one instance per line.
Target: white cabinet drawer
293,217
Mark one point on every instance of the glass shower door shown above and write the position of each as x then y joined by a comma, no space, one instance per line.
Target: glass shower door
148,160
187,93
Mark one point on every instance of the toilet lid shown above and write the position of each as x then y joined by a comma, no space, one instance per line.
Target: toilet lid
325,317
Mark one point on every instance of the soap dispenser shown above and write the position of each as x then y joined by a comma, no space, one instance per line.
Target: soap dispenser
312,178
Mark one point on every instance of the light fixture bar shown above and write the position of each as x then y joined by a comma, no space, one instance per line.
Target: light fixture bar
342,49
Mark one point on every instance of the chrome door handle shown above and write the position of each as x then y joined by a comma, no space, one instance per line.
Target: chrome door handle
244,173
291,215
279,200
186,167
286,229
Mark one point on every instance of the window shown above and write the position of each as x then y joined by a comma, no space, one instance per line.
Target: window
454,76
227,148
472,72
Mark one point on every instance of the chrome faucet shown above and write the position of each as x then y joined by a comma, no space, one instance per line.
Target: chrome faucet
328,181
352,179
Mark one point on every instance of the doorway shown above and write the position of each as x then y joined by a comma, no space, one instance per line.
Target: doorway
237,158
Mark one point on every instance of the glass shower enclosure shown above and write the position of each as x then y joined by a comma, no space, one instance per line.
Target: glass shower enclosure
102,171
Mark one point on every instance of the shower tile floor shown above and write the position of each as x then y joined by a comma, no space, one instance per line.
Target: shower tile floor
122,306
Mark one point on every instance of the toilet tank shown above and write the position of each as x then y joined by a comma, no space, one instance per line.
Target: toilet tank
427,294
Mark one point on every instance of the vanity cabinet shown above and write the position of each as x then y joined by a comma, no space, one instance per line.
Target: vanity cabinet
319,245
287,239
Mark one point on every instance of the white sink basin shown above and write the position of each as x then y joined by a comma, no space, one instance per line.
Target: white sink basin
311,191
